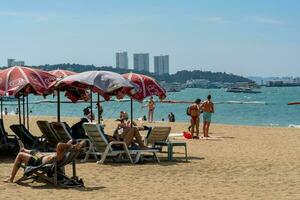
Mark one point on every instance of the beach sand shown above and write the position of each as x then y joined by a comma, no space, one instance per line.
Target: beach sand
242,162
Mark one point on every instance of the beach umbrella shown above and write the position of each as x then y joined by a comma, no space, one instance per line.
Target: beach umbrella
16,81
147,86
105,83
60,73
20,81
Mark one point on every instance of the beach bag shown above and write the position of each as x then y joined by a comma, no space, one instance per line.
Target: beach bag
188,111
187,135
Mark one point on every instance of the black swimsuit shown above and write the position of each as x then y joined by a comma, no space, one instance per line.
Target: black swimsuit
34,160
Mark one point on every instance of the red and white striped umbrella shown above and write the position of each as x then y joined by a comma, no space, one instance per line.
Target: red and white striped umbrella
26,80
147,86
60,73
105,83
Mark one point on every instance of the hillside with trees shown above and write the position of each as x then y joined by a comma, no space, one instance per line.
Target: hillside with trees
180,76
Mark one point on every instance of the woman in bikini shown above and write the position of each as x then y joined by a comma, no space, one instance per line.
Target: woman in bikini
194,111
129,134
36,158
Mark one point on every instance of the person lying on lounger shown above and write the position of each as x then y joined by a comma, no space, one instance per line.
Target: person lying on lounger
36,158
129,135
124,123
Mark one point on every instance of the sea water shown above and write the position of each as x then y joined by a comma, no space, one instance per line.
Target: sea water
268,108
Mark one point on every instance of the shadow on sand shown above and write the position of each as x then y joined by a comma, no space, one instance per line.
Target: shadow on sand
50,186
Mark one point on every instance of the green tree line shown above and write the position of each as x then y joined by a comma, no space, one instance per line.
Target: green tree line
180,76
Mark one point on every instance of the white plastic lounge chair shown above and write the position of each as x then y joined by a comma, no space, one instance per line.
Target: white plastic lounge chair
105,148
157,134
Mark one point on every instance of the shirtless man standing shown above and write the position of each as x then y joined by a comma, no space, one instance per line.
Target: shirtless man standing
194,111
208,109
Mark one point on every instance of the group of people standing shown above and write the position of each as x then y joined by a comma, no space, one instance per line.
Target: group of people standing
205,108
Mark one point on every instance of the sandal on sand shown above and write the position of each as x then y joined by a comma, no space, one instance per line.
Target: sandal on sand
196,137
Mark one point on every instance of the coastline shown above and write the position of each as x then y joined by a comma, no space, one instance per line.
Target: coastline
72,120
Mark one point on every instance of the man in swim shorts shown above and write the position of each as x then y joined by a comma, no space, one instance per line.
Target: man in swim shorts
208,109
36,158
194,111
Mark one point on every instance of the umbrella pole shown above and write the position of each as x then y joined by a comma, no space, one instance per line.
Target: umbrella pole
58,105
1,108
27,112
19,110
91,96
98,105
131,113
23,112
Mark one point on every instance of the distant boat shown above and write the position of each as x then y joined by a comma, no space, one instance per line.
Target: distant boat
241,90
172,87
9,98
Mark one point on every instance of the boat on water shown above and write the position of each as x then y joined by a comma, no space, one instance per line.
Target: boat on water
9,98
172,87
241,90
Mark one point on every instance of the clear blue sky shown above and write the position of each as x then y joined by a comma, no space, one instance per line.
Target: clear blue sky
252,37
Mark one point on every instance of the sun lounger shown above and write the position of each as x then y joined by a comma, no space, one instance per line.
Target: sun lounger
158,133
104,148
61,131
48,132
54,172
29,141
158,137
7,142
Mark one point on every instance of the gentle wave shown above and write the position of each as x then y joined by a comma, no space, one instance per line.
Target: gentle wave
294,126
242,102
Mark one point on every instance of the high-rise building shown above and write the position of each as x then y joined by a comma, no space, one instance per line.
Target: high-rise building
12,62
161,64
19,63
122,60
141,61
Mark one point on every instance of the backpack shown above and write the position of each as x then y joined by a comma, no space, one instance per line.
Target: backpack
188,111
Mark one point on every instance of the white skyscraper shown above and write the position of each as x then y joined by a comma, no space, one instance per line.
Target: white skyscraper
141,61
161,64
12,62
122,60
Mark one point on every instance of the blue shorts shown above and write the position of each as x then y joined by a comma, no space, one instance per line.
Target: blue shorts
206,116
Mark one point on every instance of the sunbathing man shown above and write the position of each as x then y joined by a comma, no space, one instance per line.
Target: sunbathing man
36,158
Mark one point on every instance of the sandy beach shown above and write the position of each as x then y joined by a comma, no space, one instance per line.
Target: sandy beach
242,162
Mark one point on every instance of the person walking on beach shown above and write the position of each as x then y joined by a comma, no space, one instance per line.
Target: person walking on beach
208,109
194,111
151,107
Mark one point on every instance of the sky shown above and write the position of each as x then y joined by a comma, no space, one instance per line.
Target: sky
249,38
